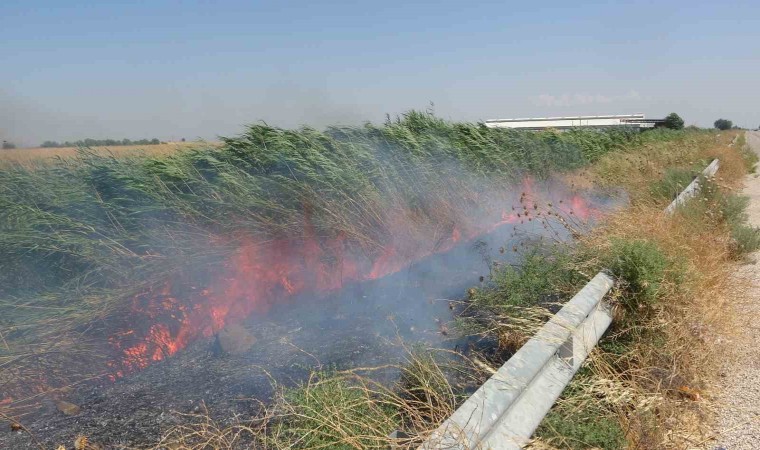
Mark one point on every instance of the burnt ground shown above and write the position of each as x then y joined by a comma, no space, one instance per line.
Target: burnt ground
136,409
363,325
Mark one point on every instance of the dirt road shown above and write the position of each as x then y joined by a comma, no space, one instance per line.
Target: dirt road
739,398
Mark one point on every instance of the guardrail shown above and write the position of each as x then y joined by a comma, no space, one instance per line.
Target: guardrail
505,411
693,188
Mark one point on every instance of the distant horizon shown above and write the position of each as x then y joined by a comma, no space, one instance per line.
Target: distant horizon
171,70
217,138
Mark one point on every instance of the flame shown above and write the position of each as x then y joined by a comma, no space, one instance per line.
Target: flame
261,273
456,235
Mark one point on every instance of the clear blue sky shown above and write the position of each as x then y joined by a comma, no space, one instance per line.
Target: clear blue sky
172,69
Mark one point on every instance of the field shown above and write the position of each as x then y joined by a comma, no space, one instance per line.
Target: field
40,154
113,264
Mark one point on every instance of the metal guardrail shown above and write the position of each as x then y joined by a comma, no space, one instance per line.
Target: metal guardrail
505,411
693,188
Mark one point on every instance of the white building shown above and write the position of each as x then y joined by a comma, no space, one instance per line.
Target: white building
540,123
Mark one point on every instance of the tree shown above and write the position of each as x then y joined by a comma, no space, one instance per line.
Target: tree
674,121
723,124
8,145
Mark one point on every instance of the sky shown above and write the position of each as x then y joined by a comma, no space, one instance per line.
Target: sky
179,69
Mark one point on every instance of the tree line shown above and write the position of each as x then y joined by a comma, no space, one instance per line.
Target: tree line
99,143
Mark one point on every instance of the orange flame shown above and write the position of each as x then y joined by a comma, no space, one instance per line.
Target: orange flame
261,273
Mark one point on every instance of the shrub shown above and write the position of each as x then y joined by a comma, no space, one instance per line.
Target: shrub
729,209
641,266
733,208
746,239
673,121
723,124
588,426
534,281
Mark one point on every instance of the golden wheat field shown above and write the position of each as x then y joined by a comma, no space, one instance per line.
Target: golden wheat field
40,154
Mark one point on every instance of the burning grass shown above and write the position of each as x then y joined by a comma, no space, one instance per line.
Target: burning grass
110,264
648,370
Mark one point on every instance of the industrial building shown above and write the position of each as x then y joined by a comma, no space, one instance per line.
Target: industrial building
540,123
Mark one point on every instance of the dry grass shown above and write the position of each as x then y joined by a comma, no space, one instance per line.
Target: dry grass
28,156
671,353
656,365
636,169
338,410
657,387
309,416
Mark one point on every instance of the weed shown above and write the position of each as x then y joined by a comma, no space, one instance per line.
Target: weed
641,266
729,209
746,239
336,410
519,299
333,411
535,280
582,428
425,388
749,157
674,181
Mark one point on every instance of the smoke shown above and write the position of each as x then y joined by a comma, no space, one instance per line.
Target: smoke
425,256
17,117
175,113
316,248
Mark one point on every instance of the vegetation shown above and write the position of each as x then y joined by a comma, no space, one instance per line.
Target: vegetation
81,235
8,145
339,410
615,401
99,143
646,376
723,124
673,121
580,422
109,219
674,181
730,209
640,265
672,275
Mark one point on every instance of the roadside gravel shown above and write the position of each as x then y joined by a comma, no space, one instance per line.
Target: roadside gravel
739,396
